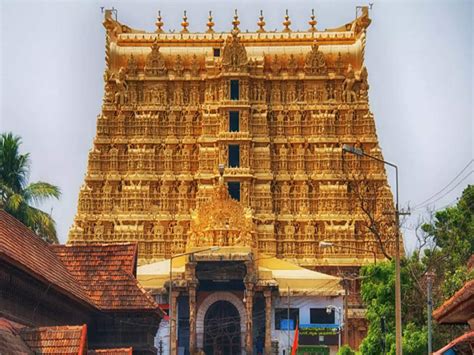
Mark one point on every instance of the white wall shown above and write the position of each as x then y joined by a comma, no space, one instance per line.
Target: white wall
304,304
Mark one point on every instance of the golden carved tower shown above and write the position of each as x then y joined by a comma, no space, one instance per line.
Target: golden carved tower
274,107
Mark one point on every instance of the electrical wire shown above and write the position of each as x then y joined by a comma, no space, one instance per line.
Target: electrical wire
444,188
447,192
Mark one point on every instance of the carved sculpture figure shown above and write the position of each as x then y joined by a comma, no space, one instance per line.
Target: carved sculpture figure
348,93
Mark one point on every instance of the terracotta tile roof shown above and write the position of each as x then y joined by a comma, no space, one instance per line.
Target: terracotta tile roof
467,340
447,312
106,272
122,351
23,248
56,340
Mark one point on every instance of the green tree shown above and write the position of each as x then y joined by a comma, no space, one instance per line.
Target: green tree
445,246
19,198
346,350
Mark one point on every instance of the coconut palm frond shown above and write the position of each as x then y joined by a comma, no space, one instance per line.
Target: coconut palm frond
14,167
15,193
38,192
41,223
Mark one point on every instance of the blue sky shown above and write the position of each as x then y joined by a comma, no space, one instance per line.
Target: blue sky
419,57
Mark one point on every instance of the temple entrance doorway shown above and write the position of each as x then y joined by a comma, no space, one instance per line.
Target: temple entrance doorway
222,329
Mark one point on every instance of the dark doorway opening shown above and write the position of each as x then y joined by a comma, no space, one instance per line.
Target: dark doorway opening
222,329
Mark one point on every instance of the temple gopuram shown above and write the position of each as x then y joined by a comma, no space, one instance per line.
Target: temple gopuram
234,140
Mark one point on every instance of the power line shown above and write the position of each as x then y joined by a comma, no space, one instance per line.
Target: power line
444,188
447,192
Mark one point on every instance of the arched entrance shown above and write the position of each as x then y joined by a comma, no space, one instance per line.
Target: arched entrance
222,329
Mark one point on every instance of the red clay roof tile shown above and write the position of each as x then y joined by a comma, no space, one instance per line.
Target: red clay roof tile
20,246
121,351
465,294
56,340
106,272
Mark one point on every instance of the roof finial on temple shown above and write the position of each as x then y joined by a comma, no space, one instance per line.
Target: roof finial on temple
313,22
261,22
210,24
287,23
236,22
159,23
185,23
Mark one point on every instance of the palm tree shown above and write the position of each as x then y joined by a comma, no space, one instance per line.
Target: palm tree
17,196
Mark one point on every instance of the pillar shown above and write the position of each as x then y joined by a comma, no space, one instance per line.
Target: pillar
190,275
174,297
192,318
249,328
268,321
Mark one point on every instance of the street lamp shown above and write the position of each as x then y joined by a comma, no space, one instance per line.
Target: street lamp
339,312
170,300
398,309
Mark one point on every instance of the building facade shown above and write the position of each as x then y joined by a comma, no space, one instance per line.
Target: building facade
274,108
59,299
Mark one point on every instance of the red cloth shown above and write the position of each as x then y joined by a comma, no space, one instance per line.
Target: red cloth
294,348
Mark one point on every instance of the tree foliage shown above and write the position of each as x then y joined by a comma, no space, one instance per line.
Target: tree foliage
446,244
19,198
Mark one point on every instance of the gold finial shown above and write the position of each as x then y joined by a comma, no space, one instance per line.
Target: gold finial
159,23
313,22
287,23
261,23
236,22
185,23
210,24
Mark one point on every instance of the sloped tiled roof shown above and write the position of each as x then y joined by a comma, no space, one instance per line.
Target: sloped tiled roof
459,308
20,246
56,340
122,351
106,272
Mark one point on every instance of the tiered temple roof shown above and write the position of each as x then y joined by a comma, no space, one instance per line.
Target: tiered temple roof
275,108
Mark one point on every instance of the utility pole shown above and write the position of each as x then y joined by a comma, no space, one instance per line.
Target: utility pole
398,296
288,321
346,310
429,279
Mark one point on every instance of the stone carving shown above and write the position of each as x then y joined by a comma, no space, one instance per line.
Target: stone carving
155,63
160,138
221,221
121,87
364,84
234,56
348,93
315,63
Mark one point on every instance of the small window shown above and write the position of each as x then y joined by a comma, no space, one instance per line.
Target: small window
321,316
281,318
234,189
217,52
234,90
234,121
234,155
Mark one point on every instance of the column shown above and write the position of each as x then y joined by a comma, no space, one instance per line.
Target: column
268,321
249,328
190,273
192,318
174,297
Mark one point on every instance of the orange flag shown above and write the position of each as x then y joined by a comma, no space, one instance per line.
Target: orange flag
295,341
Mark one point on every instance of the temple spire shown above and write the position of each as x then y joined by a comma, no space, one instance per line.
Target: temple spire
236,22
185,23
261,23
159,23
210,23
312,22
287,22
